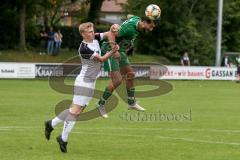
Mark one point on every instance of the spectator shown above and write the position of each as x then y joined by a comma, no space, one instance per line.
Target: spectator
58,41
43,41
50,45
238,69
185,61
225,61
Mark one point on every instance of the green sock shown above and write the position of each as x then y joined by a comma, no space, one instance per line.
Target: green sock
131,96
104,97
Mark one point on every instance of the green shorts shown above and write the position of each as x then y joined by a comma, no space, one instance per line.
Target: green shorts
113,64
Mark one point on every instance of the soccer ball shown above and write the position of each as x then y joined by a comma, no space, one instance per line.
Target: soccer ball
153,11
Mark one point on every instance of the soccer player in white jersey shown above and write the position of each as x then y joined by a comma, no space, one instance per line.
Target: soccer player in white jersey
84,85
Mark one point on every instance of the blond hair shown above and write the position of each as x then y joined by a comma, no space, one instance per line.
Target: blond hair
82,27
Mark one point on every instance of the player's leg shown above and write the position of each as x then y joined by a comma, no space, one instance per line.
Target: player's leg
83,92
112,65
129,76
116,80
48,47
62,117
51,124
69,123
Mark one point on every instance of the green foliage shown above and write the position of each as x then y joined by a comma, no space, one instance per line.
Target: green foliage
231,31
95,6
8,28
184,26
71,37
32,34
188,25
32,55
102,27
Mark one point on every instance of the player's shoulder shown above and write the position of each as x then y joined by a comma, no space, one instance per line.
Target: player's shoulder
85,50
98,37
96,41
134,19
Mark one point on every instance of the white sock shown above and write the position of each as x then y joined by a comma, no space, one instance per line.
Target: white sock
68,126
60,118
69,123
56,121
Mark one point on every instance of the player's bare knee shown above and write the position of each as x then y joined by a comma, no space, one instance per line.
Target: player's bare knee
130,75
75,114
117,82
75,110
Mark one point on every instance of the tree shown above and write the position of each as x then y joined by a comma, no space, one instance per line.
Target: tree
8,27
93,13
22,18
184,26
24,7
231,23
23,14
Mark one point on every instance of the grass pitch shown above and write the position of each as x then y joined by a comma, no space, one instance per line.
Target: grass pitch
211,133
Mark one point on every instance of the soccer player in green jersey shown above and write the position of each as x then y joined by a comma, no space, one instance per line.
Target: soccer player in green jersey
120,68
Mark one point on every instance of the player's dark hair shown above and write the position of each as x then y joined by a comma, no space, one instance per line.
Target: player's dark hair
146,19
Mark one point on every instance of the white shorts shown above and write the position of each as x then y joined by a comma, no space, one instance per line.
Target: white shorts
83,91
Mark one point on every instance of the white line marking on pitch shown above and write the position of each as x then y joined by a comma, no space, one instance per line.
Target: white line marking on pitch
164,137
23,128
125,128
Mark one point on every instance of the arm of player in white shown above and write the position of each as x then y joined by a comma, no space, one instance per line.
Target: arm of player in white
111,36
103,58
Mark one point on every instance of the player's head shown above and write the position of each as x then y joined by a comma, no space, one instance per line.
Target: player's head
147,24
87,31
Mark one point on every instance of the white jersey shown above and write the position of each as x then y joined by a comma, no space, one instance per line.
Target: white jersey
84,85
87,51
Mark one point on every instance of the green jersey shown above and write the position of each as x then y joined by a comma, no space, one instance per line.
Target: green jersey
126,35
128,32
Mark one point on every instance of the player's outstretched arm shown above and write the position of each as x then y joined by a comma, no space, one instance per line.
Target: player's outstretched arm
111,36
104,57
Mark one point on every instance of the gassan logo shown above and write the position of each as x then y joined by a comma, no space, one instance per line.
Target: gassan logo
208,73
222,73
218,73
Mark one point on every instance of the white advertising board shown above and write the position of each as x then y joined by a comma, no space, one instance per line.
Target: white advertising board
194,73
17,70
